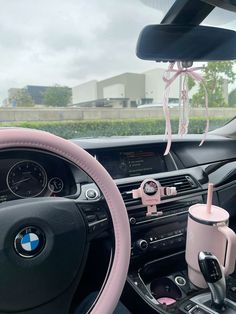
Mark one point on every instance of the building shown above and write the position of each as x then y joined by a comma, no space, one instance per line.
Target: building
35,91
124,90
155,86
130,90
85,93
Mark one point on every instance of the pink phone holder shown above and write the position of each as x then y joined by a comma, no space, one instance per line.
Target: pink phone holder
151,192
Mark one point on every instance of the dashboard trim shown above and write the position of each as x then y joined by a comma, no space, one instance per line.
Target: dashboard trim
161,218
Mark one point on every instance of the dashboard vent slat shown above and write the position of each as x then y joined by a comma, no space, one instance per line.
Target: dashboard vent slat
182,183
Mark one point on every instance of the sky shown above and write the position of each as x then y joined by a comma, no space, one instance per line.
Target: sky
68,42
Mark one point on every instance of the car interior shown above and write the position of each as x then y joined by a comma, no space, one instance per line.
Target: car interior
116,224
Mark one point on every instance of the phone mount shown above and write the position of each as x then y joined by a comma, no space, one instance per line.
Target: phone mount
151,192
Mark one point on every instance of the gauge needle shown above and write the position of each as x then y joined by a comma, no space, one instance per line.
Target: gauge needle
21,181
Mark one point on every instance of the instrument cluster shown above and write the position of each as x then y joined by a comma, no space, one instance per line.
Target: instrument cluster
34,174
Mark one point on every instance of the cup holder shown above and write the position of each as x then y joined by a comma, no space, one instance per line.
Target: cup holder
165,291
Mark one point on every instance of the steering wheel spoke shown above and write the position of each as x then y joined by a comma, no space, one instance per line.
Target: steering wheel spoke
97,228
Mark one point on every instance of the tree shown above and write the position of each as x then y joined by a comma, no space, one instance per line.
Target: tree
232,98
57,96
23,98
214,76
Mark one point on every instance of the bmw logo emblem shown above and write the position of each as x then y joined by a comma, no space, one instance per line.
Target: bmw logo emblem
29,242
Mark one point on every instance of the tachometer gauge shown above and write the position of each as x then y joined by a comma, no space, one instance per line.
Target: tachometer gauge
27,179
55,185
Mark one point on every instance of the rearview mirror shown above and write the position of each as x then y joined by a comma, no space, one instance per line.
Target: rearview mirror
169,42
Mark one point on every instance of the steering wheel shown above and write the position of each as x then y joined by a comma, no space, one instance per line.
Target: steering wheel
44,279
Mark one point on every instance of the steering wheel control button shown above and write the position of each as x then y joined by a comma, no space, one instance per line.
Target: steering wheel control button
91,218
29,242
91,194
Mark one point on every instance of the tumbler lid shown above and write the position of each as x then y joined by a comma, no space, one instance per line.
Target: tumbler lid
200,213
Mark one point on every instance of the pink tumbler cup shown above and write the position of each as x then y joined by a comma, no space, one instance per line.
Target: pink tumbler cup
208,231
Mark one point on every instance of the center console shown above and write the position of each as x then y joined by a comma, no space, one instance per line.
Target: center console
158,271
158,220
163,284
158,245
157,236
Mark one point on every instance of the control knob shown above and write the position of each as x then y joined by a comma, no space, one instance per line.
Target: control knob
91,194
142,245
132,220
214,276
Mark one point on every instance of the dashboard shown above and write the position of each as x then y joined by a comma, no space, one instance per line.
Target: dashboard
189,168
129,160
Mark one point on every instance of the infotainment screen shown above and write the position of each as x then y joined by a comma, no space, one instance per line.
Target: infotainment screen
130,163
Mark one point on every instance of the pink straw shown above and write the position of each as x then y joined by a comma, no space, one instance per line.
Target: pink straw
209,197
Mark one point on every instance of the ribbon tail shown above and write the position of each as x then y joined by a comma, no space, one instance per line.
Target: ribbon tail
186,104
166,110
207,115
180,105
168,131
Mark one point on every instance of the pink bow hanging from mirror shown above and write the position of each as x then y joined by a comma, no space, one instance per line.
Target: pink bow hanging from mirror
183,71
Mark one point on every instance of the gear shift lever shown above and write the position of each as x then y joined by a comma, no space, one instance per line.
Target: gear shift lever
214,277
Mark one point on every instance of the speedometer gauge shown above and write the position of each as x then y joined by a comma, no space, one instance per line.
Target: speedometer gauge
27,179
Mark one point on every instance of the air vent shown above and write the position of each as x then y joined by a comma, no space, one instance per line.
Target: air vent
126,191
182,183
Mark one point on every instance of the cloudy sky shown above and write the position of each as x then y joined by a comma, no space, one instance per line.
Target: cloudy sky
70,41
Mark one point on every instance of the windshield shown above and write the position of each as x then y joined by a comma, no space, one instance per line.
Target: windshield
70,68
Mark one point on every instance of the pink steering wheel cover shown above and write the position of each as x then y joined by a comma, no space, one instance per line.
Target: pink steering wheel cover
27,138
